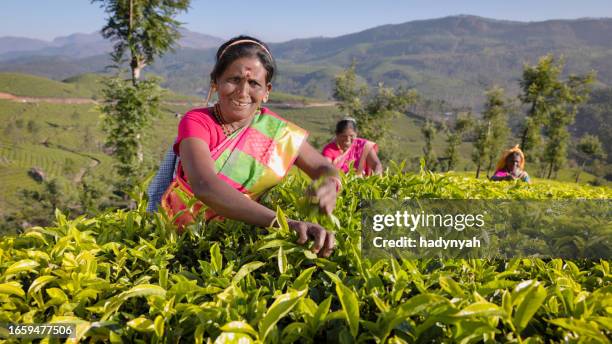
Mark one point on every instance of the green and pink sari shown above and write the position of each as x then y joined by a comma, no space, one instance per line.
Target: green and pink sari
252,160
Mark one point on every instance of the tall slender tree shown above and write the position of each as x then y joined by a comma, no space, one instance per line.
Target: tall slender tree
552,104
495,113
429,134
142,30
540,85
455,137
572,93
481,144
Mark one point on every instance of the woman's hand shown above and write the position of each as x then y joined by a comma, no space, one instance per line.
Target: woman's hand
324,241
323,174
326,194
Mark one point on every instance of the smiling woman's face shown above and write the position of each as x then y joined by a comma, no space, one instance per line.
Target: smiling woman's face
241,88
345,139
513,162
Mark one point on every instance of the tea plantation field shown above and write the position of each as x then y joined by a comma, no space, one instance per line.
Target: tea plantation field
66,140
127,276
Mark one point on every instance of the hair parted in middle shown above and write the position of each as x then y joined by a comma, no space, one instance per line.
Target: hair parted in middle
239,47
346,123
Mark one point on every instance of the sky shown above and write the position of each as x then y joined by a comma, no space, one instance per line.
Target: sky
282,20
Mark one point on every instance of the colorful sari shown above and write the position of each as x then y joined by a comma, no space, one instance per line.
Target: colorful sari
251,160
505,175
356,155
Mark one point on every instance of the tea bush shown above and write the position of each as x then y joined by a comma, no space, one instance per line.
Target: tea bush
126,276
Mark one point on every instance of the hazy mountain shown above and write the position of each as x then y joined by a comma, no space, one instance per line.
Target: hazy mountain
453,58
457,57
9,43
196,40
83,45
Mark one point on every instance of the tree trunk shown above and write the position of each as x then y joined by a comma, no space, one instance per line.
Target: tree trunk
478,170
525,131
134,62
489,167
524,138
580,171
135,74
139,153
550,169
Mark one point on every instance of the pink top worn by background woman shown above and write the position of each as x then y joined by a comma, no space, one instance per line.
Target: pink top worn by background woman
356,154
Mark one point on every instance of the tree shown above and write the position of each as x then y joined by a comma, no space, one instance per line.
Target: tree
145,30
553,104
481,144
455,137
373,112
429,134
495,113
540,85
571,93
589,149
128,111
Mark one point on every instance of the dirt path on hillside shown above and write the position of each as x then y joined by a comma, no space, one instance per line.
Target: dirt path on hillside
20,99
79,175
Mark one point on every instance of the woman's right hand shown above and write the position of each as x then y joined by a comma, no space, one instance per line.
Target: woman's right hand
324,240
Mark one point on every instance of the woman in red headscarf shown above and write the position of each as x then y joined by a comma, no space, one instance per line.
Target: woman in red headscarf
511,166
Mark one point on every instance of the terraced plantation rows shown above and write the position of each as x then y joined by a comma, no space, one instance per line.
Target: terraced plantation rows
62,140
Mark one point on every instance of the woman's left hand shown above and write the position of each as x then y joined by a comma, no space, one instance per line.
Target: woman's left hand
326,194
324,175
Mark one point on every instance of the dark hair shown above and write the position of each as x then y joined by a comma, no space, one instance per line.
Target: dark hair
344,124
240,50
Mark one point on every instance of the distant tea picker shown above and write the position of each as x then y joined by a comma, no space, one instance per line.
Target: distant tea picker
511,166
347,149
230,154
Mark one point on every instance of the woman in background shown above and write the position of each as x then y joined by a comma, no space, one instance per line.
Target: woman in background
347,149
511,166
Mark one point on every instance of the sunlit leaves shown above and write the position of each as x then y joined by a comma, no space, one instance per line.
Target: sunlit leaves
125,276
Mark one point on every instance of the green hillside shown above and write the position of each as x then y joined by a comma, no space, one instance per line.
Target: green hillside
33,86
88,82
86,85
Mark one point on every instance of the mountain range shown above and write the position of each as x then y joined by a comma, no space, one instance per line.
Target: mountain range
454,59
82,45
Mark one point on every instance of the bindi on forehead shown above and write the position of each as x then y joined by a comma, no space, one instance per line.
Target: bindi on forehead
247,71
